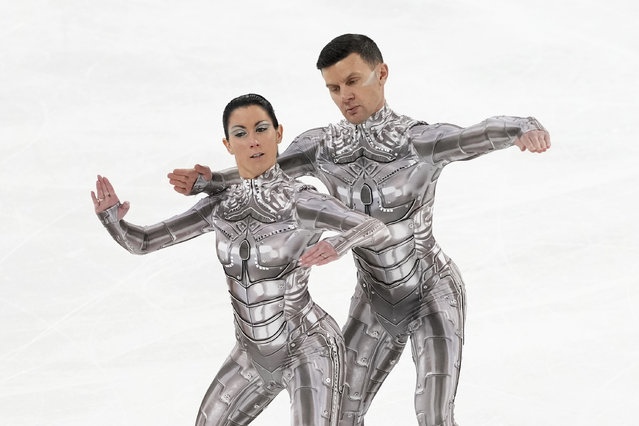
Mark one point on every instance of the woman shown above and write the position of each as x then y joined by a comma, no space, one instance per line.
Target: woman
263,226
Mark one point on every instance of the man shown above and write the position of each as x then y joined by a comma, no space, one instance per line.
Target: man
387,166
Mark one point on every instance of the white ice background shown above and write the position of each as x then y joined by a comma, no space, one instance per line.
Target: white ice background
547,244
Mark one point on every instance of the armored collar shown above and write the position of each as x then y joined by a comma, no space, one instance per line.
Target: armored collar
380,138
267,198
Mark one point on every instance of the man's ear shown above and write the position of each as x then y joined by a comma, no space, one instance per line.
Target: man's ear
383,73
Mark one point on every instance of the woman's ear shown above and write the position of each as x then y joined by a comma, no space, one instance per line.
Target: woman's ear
279,133
227,145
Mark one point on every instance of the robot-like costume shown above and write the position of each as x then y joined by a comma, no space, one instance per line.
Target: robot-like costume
284,340
387,167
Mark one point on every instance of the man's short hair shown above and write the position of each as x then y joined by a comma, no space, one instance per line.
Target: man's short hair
342,46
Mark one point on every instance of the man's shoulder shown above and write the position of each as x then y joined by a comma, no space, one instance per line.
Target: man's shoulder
312,135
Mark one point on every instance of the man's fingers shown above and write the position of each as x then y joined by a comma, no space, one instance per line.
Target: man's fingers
540,142
183,186
181,171
537,141
520,144
178,180
533,143
180,177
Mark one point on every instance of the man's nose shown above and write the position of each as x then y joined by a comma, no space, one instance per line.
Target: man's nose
347,94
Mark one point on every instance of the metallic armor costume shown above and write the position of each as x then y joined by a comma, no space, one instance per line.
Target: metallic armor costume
387,167
284,340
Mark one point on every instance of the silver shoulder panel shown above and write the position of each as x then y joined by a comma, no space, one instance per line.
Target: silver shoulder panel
300,156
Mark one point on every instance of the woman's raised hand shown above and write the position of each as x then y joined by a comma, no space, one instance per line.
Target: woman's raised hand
107,198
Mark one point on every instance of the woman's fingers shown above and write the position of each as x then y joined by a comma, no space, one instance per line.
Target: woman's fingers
320,254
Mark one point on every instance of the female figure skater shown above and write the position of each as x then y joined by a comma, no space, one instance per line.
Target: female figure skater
264,227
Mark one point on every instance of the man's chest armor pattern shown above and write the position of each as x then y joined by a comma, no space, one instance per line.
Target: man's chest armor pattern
258,242
373,168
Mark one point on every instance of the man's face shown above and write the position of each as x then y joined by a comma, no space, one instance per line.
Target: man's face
356,88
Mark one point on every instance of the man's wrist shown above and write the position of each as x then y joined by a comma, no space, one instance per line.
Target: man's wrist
199,185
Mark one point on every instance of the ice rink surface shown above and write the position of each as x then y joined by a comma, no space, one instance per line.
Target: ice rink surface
547,244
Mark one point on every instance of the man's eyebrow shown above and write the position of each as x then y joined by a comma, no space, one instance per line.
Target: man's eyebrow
348,77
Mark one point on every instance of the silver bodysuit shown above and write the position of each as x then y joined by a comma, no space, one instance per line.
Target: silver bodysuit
284,340
387,167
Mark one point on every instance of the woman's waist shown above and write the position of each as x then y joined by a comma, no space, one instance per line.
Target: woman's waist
294,319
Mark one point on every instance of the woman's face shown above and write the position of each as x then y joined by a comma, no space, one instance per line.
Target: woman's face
252,140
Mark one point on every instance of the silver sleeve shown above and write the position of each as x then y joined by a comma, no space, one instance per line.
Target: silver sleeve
320,211
145,239
447,142
300,156
218,183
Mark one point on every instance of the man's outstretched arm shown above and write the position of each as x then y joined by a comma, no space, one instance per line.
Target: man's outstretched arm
297,160
443,143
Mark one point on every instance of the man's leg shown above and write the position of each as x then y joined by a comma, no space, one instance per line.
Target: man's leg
371,353
237,394
436,342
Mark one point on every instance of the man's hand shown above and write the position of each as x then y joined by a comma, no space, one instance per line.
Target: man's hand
183,179
534,141
107,198
320,254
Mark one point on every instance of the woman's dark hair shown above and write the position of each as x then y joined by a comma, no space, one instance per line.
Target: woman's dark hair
342,46
244,101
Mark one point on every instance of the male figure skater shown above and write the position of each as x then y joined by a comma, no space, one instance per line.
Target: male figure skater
387,165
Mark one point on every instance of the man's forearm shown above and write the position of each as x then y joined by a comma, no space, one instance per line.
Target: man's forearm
446,142
218,183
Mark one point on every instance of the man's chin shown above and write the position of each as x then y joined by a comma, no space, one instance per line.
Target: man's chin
353,118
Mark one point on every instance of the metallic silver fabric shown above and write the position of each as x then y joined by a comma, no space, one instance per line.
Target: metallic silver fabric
387,167
284,340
